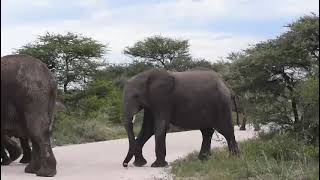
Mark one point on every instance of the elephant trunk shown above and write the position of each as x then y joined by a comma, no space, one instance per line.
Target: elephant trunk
129,128
236,108
128,124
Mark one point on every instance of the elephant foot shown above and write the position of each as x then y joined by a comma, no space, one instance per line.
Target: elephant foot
204,156
235,151
160,163
25,159
6,162
46,172
139,162
32,168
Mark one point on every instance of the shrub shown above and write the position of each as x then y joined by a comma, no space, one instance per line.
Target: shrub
273,157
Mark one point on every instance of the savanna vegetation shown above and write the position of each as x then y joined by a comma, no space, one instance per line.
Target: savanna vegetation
276,81
269,157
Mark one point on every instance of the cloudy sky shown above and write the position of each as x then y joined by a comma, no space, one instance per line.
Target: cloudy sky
214,28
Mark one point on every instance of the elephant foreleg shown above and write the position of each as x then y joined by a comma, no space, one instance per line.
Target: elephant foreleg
146,132
206,143
161,126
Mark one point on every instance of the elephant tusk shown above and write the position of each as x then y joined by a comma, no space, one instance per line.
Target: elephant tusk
134,119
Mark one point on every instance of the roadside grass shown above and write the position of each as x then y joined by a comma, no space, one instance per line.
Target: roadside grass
267,157
69,129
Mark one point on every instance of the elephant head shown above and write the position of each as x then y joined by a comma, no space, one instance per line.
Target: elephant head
145,90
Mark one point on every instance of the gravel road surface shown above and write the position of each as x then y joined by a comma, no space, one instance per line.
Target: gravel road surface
103,160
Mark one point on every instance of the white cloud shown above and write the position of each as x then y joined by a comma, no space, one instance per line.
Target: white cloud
203,44
205,10
123,26
18,5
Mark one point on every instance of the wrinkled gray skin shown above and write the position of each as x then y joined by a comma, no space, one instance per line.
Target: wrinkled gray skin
193,100
28,86
13,148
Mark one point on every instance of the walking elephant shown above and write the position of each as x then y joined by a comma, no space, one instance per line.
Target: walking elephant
28,86
240,109
195,99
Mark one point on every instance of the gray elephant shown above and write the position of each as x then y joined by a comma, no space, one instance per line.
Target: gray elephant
239,109
194,99
28,86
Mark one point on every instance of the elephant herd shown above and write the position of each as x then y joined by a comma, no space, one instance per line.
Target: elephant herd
194,99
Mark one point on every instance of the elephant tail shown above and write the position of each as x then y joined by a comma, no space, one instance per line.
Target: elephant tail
236,108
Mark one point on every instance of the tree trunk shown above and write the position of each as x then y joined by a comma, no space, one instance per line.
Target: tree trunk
164,65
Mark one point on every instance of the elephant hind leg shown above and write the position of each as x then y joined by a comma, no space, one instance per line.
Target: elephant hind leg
26,150
146,132
228,133
42,161
232,144
34,164
206,143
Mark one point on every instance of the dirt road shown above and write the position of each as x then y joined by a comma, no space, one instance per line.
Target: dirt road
103,160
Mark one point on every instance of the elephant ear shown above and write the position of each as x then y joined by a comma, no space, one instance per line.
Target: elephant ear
160,84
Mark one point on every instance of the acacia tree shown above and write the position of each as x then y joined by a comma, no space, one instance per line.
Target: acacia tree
72,58
273,73
162,51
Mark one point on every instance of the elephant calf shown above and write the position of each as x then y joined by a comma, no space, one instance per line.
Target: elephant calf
29,90
197,99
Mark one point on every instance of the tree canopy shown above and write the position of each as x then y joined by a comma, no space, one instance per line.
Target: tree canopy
162,51
272,72
72,58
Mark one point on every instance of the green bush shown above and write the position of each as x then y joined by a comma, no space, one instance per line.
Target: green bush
74,129
272,157
98,97
308,128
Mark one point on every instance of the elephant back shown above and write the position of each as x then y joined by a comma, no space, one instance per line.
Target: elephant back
160,85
